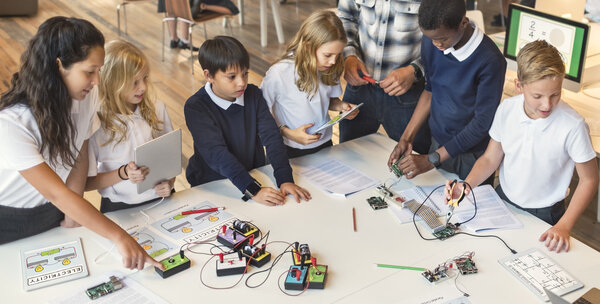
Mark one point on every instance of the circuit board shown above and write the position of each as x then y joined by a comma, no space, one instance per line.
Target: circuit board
447,232
436,275
465,265
377,203
105,288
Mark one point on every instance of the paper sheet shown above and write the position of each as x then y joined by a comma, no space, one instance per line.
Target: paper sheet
337,178
132,292
492,212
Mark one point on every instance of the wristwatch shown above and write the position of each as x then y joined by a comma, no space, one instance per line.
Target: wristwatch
251,190
418,72
434,158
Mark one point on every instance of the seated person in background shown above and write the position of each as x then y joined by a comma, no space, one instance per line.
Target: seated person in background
219,6
230,123
465,77
130,116
302,86
536,140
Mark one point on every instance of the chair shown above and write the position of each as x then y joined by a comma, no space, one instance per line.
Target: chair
179,10
123,5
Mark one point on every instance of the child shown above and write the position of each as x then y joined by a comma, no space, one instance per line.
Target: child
129,116
304,84
46,118
465,77
537,139
230,123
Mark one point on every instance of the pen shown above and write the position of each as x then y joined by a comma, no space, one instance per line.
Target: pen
354,218
202,210
400,267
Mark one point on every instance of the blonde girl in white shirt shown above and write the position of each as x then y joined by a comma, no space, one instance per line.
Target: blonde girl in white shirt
305,84
46,119
130,116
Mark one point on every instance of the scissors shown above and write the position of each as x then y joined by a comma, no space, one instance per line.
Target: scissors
367,78
452,203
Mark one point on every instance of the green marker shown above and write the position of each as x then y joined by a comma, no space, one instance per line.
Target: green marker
400,267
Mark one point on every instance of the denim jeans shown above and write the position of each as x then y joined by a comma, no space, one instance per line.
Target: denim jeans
379,108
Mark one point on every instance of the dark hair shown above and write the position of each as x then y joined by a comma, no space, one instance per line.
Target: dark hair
221,52
39,85
434,14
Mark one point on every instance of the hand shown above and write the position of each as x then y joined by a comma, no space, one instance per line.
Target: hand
347,107
413,165
300,136
557,238
133,255
457,190
68,222
269,196
403,147
136,174
398,81
351,67
295,190
163,189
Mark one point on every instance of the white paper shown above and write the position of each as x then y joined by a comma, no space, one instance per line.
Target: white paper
492,212
132,292
338,178
333,121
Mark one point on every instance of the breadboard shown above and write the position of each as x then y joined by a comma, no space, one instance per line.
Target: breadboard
426,214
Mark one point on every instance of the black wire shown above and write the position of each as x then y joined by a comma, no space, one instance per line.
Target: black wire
474,203
275,261
417,211
489,235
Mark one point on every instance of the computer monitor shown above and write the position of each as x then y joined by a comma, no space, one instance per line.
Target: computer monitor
568,36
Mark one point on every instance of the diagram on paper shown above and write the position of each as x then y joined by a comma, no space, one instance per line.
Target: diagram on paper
181,227
52,264
537,271
154,245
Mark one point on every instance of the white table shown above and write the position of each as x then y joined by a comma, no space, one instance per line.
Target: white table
325,223
263,20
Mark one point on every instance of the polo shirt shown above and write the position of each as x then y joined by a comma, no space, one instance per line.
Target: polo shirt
107,157
20,149
295,108
540,154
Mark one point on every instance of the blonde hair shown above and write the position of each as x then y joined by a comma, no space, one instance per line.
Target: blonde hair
122,63
319,28
538,60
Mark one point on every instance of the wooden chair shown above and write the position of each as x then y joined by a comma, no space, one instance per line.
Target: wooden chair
123,6
179,10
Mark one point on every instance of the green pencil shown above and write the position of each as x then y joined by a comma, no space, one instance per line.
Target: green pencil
400,267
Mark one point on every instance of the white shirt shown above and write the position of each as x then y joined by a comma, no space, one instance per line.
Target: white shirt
466,50
540,154
295,108
20,149
222,103
104,158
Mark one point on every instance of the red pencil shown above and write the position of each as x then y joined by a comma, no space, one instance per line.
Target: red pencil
354,218
202,210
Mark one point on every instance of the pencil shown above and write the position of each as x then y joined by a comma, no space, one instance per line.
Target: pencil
400,267
354,218
202,210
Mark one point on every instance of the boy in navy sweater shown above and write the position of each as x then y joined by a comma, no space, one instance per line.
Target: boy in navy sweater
230,123
465,72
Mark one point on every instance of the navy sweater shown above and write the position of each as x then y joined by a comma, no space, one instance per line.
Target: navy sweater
229,143
464,95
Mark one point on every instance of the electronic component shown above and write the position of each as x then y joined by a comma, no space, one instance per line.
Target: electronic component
389,196
377,203
440,273
258,256
301,255
447,232
465,265
426,214
317,274
231,264
173,264
245,228
105,288
397,170
231,238
296,278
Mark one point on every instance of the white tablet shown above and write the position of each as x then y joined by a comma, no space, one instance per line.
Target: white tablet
162,156
333,121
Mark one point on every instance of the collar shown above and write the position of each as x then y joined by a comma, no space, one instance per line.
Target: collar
466,50
222,103
542,123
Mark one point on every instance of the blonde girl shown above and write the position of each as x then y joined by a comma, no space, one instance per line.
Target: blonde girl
129,116
304,84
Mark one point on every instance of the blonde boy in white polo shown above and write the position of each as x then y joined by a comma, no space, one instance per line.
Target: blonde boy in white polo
537,140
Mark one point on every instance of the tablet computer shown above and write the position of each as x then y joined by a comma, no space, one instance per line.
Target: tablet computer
333,121
162,156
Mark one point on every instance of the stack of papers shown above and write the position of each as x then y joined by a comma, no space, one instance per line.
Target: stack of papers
335,177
